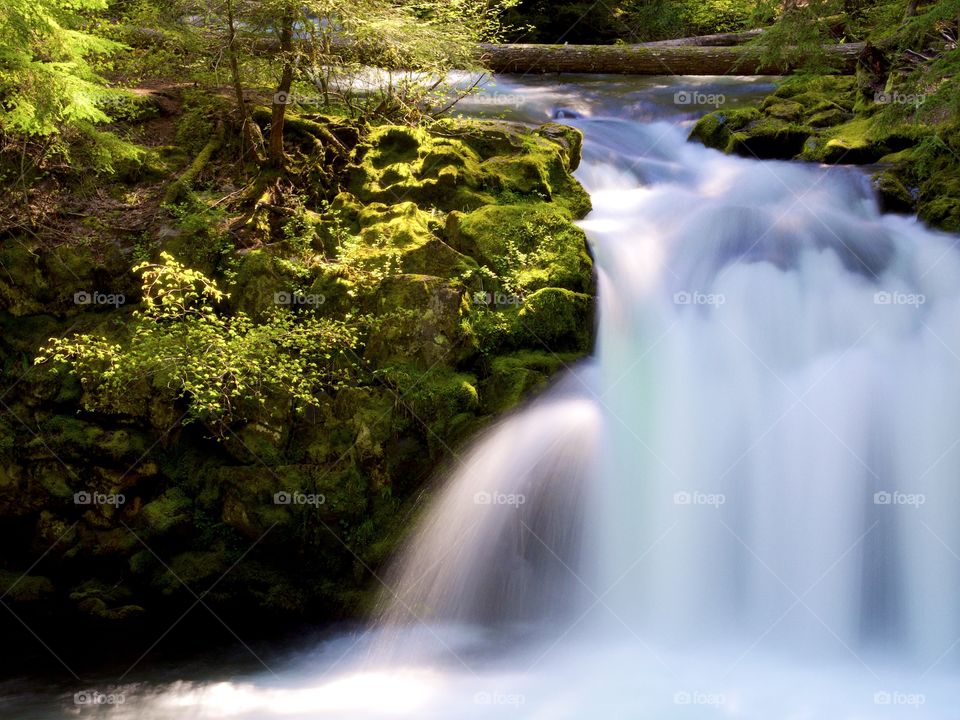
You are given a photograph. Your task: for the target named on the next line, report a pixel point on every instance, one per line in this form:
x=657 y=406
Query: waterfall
x=775 y=397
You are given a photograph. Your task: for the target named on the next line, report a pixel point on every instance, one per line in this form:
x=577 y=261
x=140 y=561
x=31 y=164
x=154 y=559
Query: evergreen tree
x=47 y=80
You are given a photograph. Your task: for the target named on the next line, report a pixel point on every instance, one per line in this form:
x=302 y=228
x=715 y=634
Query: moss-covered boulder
x=557 y=319
x=715 y=129
x=519 y=375
x=892 y=193
x=421 y=320
x=859 y=141
x=768 y=138
x=534 y=243
x=465 y=165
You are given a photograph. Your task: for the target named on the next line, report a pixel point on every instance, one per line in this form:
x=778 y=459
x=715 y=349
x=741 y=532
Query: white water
x=689 y=524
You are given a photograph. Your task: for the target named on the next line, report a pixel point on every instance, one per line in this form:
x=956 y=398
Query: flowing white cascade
x=778 y=401
x=744 y=505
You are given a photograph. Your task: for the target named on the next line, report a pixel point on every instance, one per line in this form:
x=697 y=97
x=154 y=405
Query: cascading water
x=744 y=506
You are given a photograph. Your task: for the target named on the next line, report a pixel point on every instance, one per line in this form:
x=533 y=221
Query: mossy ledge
x=455 y=242
x=908 y=139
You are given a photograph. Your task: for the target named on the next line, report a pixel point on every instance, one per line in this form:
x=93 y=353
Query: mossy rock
x=782 y=109
x=520 y=375
x=261 y=277
x=401 y=164
x=36 y=279
x=264 y=439
x=557 y=319
x=768 y=138
x=424 y=385
x=21 y=589
x=816 y=93
x=105 y=602
x=197 y=569
x=173 y=510
x=419 y=321
x=892 y=194
x=569 y=138
x=445 y=400
x=715 y=129
x=939 y=201
x=535 y=243
x=459 y=165
x=827 y=118
x=398 y=225
x=405 y=237
x=863 y=140
x=73 y=438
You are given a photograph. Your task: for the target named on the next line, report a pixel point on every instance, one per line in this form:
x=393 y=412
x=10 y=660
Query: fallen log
x=717 y=40
x=684 y=56
x=645 y=60
x=179 y=188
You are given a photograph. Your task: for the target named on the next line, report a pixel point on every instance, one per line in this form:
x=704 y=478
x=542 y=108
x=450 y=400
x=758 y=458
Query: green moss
x=569 y=138
x=105 y=602
x=418 y=321
x=24 y=589
x=809 y=89
x=557 y=319
x=72 y=437
x=445 y=400
x=715 y=129
x=35 y=279
x=519 y=375
x=461 y=165
x=171 y=510
x=939 y=202
x=768 y=137
x=196 y=569
x=827 y=118
x=863 y=140
x=533 y=245
x=782 y=109
x=892 y=193
x=430 y=218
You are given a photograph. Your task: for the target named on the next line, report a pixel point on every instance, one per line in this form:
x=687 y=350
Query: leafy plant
x=226 y=368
